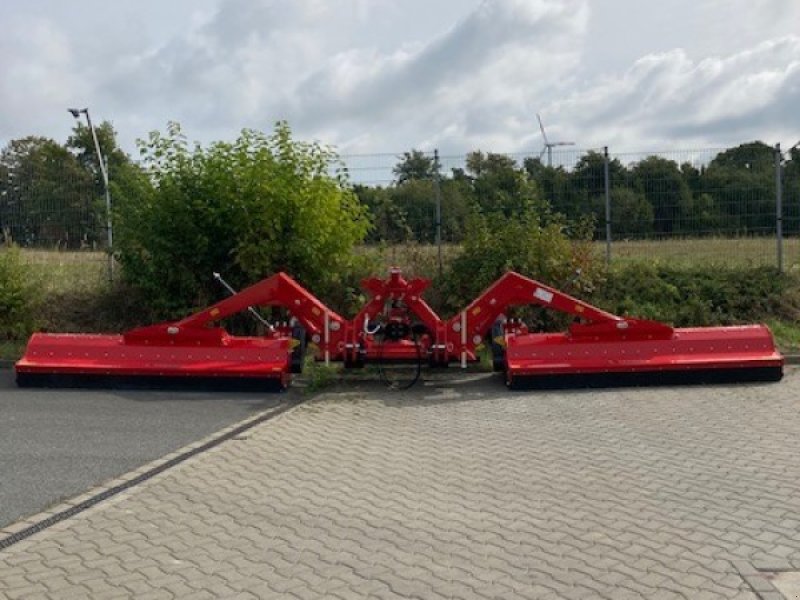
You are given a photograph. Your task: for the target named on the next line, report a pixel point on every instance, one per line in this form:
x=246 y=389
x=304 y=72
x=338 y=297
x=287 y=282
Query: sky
x=384 y=76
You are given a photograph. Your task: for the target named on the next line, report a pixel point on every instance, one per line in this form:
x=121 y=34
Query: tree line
x=734 y=194
x=50 y=193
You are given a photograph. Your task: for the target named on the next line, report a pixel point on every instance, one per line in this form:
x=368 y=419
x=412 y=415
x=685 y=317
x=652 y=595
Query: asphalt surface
x=55 y=444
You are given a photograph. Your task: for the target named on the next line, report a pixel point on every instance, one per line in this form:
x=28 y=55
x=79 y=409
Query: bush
x=700 y=295
x=246 y=209
x=101 y=309
x=534 y=243
x=17 y=297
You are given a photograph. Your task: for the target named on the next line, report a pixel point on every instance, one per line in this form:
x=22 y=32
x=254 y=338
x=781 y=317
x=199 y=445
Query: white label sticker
x=543 y=295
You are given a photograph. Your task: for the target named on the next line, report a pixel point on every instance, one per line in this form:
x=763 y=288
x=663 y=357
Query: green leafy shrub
x=534 y=243
x=246 y=209
x=17 y=297
x=318 y=375
x=102 y=309
x=700 y=295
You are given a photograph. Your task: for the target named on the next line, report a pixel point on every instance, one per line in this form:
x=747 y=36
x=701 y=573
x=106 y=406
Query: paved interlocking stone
x=455 y=491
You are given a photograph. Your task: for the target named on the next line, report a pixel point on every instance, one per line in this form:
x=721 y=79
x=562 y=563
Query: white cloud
x=383 y=76
x=37 y=70
x=670 y=99
x=484 y=70
x=254 y=63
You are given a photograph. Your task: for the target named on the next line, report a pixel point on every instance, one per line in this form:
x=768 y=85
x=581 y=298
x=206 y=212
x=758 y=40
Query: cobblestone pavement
x=458 y=490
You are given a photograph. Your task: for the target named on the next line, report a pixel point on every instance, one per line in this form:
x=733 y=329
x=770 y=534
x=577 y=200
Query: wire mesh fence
x=736 y=206
x=55 y=213
x=48 y=206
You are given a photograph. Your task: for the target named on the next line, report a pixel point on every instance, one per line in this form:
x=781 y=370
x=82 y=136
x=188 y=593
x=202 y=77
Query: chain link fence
x=736 y=206
x=50 y=207
x=55 y=214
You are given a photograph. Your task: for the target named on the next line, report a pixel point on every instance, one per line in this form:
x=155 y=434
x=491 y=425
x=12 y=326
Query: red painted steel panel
x=692 y=348
x=78 y=354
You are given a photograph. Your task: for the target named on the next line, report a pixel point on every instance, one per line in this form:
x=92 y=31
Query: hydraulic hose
x=418 y=370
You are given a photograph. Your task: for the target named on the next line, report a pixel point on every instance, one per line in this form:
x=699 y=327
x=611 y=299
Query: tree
x=499 y=185
x=589 y=173
x=414 y=165
x=753 y=156
x=416 y=201
x=706 y=216
x=742 y=182
x=389 y=222
x=530 y=244
x=247 y=208
x=81 y=143
x=557 y=188
x=128 y=182
x=456 y=209
x=692 y=175
x=631 y=213
x=46 y=197
x=791 y=192
x=664 y=187
x=583 y=190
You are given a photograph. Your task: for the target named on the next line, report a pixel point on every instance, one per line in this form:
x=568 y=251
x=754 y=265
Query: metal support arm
x=278 y=290
x=513 y=289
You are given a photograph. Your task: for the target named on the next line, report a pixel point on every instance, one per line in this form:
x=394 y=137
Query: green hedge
x=700 y=295
x=534 y=243
x=17 y=297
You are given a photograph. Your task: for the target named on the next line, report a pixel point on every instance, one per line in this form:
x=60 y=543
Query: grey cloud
x=669 y=98
x=255 y=62
x=477 y=83
x=453 y=76
x=38 y=73
x=485 y=35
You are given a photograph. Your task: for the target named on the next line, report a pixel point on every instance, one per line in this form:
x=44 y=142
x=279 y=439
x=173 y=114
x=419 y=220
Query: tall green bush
x=537 y=244
x=247 y=208
x=705 y=295
x=17 y=297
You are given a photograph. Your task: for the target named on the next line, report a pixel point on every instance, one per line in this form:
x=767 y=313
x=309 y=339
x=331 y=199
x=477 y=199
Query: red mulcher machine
x=397 y=325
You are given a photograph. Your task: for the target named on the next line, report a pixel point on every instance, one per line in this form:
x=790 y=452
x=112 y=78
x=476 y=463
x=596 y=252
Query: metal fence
x=738 y=206
x=728 y=206
x=50 y=207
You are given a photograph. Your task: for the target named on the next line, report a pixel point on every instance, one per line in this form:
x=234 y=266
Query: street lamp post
x=103 y=162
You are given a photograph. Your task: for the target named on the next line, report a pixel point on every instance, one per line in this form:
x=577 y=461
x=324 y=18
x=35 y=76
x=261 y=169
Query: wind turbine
x=548 y=145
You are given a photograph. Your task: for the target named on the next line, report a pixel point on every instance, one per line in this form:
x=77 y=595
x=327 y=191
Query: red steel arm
x=324 y=325
x=278 y=290
x=513 y=289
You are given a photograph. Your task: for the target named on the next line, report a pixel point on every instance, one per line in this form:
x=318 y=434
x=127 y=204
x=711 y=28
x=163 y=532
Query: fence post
x=779 y=204
x=607 y=178
x=438 y=192
x=109 y=226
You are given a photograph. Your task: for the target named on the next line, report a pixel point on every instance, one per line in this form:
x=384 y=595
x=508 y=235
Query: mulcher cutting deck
x=691 y=355
x=72 y=360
